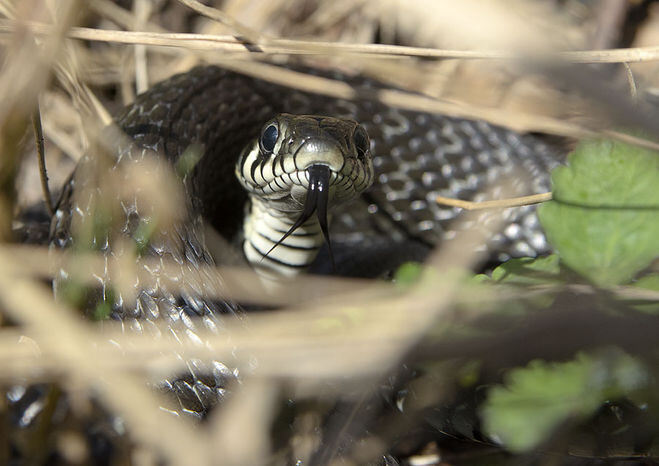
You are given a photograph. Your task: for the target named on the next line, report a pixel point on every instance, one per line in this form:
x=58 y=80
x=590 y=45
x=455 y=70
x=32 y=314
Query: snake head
x=275 y=166
x=301 y=165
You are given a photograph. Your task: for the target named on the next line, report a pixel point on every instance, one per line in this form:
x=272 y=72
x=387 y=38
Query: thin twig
x=41 y=157
x=496 y=204
x=141 y=12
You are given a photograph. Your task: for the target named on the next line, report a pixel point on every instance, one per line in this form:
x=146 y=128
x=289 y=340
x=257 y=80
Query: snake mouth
x=316 y=201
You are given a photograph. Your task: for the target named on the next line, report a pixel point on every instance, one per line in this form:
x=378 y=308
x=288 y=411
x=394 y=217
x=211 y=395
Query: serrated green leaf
x=604 y=221
x=536 y=400
x=542 y=396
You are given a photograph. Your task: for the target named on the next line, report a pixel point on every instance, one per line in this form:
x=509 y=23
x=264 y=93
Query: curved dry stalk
x=496 y=204
x=633 y=90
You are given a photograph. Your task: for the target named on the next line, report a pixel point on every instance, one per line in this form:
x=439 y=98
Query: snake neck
x=264 y=227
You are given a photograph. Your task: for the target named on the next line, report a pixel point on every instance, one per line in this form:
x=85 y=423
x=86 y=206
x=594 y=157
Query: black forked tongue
x=316 y=201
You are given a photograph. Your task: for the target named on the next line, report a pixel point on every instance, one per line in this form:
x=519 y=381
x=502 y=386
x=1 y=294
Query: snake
x=277 y=173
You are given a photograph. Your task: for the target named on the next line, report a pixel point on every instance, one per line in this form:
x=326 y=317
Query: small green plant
x=604 y=226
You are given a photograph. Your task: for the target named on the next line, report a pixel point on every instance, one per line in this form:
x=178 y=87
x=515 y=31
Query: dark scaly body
x=416 y=156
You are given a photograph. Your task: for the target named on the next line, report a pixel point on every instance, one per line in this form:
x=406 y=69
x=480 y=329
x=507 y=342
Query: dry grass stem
x=377 y=327
x=633 y=91
x=240 y=283
x=142 y=10
x=242 y=433
x=294 y=47
x=496 y=204
x=340 y=344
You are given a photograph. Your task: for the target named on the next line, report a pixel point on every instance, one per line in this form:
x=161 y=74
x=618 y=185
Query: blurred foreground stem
x=12 y=129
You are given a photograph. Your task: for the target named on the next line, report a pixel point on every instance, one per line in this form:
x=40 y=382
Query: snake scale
x=416 y=156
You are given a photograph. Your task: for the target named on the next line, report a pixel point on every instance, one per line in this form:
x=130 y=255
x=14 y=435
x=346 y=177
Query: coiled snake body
x=416 y=156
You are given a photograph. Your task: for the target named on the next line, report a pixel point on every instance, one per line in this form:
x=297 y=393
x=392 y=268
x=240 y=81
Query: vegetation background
x=541 y=362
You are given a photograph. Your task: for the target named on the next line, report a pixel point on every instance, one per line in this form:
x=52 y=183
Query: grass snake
x=219 y=113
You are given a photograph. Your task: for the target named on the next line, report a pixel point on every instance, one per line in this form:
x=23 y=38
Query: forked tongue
x=316 y=201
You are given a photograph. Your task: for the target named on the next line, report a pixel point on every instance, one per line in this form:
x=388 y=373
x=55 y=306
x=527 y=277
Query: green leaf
x=541 y=397
x=649 y=282
x=604 y=220
x=529 y=271
x=537 y=399
x=408 y=273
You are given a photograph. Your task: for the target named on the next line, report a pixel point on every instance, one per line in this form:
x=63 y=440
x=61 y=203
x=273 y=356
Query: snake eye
x=269 y=138
x=362 y=144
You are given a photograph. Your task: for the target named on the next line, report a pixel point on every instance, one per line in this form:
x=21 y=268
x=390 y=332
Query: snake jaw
x=317 y=199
